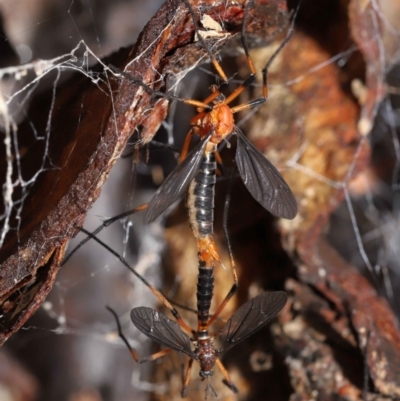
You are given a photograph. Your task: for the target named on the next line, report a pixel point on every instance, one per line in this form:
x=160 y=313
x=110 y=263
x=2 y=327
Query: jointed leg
x=106 y=223
x=157 y=293
x=235 y=286
x=187 y=379
x=216 y=65
x=215 y=92
x=185 y=147
x=230 y=294
x=227 y=381
x=251 y=77
x=153 y=92
x=135 y=356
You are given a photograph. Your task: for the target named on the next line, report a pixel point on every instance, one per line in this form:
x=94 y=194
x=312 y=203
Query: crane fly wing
x=176 y=183
x=263 y=180
x=161 y=329
x=250 y=317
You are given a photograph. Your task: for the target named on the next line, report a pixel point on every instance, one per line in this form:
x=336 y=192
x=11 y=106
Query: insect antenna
x=210 y=388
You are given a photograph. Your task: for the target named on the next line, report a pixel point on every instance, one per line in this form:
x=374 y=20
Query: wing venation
x=176 y=183
x=161 y=329
x=263 y=180
x=251 y=317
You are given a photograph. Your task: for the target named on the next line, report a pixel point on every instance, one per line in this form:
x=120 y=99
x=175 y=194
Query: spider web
x=72 y=331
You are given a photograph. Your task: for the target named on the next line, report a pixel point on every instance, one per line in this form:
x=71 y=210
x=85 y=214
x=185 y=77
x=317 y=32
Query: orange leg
x=227 y=379
x=218 y=158
x=215 y=93
x=187 y=379
x=230 y=294
x=235 y=286
x=130 y=77
x=214 y=61
x=156 y=355
x=251 y=77
x=249 y=105
x=157 y=293
x=186 y=145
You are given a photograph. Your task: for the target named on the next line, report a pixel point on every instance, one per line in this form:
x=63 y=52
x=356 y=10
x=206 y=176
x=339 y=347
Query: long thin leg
x=217 y=65
x=155 y=146
x=134 y=354
x=157 y=293
x=187 y=379
x=160 y=145
x=277 y=51
x=251 y=77
x=227 y=381
x=235 y=286
x=106 y=223
x=185 y=147
x=153 y=92
x=230 y=294
x=214 y=61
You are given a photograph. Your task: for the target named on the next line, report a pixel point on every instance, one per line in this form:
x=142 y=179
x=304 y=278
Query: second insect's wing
x=161 y=329
x=263 y=180
x=176 y=183
x=250 y=317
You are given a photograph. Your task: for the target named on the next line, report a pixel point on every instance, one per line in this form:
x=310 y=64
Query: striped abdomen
x=201 y=197
x=205 y=287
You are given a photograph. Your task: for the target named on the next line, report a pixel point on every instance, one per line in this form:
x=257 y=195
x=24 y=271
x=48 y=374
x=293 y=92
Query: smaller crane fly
x=200 y=347
x=249 y=318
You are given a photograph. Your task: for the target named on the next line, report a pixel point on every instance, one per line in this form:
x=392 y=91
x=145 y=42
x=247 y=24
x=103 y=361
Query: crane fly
x=249 y=318
x=199 y=345
x=214 y=123
x=261 y=178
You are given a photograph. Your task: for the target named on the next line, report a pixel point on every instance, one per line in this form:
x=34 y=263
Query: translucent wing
x=263 y=180
x=250 y=317
x=176 y=183
x=161 y=329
